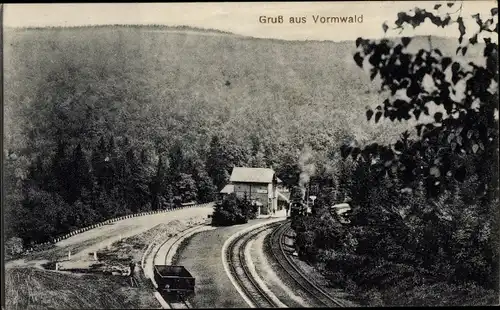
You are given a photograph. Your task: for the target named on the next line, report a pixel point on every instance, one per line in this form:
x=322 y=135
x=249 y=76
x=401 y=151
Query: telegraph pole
x=307 y=196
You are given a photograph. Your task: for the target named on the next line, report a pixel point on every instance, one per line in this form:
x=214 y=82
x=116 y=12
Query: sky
x=243 y=17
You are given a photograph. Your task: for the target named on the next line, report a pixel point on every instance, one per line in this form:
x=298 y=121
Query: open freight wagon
x=174 y=280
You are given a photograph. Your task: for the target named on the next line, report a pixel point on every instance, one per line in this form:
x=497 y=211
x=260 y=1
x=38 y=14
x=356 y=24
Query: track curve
x=238 y=267
x=163 y=259
x=317 y=294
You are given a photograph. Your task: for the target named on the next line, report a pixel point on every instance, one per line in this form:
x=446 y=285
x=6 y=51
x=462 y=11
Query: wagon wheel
x=181 y=296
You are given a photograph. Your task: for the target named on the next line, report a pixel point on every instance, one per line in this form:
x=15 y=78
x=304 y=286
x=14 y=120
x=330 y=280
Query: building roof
x=252 y=175
x=228 y=189
x=341 y=208
x=283 y=197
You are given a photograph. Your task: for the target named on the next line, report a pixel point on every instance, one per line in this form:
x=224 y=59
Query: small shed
x=341 y=211
x=228 y=189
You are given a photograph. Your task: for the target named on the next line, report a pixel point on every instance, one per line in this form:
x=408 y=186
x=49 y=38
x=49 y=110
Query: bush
x=231 y=211
x=372 y=298
x=14 y=246
x=440 y=294
x=253 y=211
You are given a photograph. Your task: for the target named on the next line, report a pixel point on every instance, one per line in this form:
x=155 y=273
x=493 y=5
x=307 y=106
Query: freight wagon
x=174 y=280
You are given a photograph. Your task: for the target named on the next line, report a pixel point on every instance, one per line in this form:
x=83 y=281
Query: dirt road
x=87 y=242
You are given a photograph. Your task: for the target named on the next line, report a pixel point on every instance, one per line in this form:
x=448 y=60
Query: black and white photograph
x=250 y=155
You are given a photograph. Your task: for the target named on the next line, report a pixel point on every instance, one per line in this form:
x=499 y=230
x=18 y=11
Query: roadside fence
x=49 y=244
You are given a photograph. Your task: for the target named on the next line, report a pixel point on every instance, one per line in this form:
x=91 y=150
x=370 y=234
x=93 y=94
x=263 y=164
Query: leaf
x=355 y=152
x=402 y=17
x=450 y=4
x=459 y=140
x=446 y=21
x=434 y=171
x=475 y=147
x=405 y=41
x=460 y=174
x=450 y=138
x=464 y=50
x=473 y=39
x=345 y=151
x=399 y=146
x=419 y=128
x=494 y=11
x=385 y=27
x=477 y=17
x=458 y=48
x=461 y=28
x=358 y=59
x=358 y=41
x=377 y=116
x=369 y=114
x=445 y=62
x=437 y=6
x=438 y=117
x=435 y=20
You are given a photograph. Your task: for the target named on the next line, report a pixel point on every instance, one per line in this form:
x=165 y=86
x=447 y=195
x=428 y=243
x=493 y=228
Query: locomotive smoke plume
x=307 y=168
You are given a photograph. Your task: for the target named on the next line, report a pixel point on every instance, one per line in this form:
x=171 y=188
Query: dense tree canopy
x=425 y=218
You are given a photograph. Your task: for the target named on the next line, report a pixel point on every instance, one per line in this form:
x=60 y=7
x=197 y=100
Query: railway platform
x=279 y=213
x=203 y=258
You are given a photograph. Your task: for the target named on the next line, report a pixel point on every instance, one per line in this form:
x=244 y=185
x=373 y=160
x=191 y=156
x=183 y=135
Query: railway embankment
x=299 y=276
x=27 y=283
x=271 y=274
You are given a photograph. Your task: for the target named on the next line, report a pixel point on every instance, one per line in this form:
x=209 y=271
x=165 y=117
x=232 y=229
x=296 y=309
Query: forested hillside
x=102 y=121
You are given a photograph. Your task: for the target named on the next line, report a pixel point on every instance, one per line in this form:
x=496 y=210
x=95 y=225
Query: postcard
x=250 y=155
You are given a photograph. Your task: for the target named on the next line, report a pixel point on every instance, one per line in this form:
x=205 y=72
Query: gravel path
x=202 y=257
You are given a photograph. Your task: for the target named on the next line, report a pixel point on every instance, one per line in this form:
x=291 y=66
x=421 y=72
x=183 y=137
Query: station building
x=260 y=185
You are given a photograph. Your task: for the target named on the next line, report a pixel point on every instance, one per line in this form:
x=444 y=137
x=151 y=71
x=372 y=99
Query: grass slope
x=31 y=288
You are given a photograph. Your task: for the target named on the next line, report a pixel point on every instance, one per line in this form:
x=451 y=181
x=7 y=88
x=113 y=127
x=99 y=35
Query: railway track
x=235 y=255
x=181 y=304
x=184 y=304
x=277 y=245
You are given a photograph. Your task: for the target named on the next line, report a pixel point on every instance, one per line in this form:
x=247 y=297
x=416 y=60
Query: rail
x=183 y=304
x=277 y=240
x=236 y=260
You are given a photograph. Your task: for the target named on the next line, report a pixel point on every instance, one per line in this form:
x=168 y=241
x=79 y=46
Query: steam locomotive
x=298 y=205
